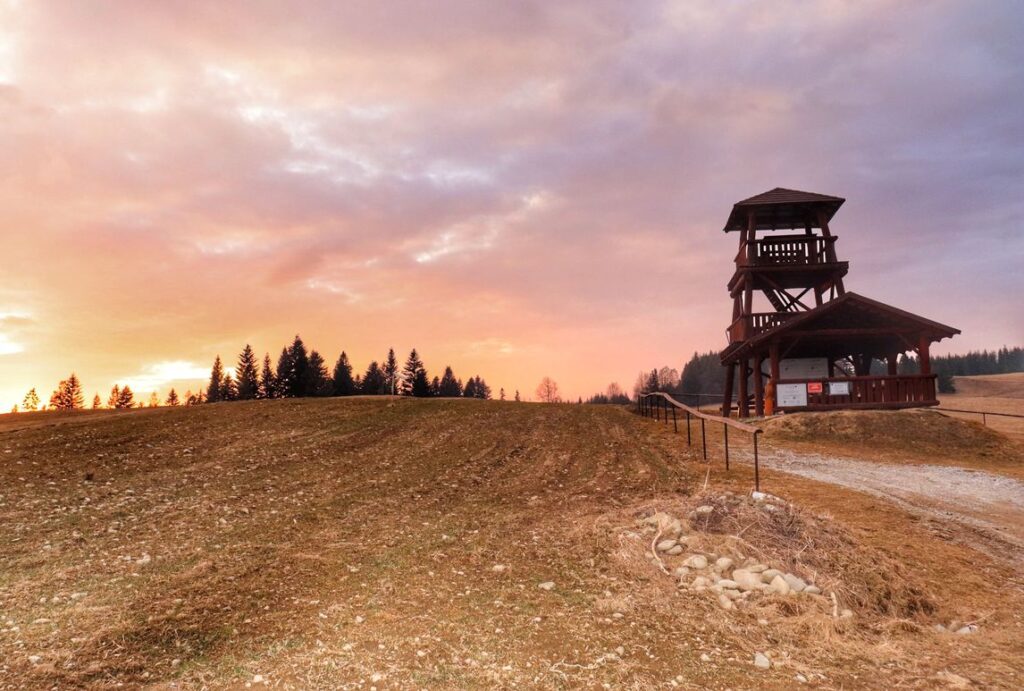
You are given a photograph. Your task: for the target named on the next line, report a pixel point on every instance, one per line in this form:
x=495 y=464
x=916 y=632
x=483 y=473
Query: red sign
x=814 y=387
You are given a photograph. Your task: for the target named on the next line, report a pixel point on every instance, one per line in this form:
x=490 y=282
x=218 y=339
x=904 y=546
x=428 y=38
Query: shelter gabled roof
x=845 y=318
x=782 y=208
x=850 y=310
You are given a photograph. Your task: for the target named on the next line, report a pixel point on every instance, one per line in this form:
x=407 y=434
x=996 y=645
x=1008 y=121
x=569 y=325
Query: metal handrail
x=651 y=404
x=982 y=413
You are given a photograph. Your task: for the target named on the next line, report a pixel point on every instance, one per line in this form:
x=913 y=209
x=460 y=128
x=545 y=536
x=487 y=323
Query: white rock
x=761 y=661
x=620 y=651
x=359 y=619
x=35 y=659
x=846 y=614
x=725 y=602
x=723 y=564
x=704 y=657
x=376 y=677
x=796 y=584
x=498 y=568
x=801 y=678
x=758 y=496
x=682 y=571
x=700 y=582
x=675 y=551
x=779 y=585
x=704 y=510
x=728 y=583
x=747 y=580
x=546 y=585
x=257 y=679
x=812 y=590
x=665 y=545
x=696 y=561
x=757 y=568
x=969 y=628
x=769 y=574
x=732 y=593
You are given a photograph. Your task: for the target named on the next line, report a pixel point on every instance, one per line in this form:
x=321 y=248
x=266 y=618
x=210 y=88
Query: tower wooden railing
x=788 y=250
x=657 y=404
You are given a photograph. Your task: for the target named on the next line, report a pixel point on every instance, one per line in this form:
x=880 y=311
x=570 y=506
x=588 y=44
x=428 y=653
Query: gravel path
x=990 y=507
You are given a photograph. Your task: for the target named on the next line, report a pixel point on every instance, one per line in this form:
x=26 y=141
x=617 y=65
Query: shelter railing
x=750 y=325
x=868 y=391
x=788 y=250
x=657 y=404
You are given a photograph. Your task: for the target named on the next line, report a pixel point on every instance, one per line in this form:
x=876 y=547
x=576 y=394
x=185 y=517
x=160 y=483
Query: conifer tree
x=410 y=373
x=97 y=402
x=267 y=384
x=68 y=395
x=154 y=401
x=284 y=368
x=373 y=381
x=449 y=387
x=296 y=379
x=31 y=400
x=517 y=396
x=501 y=394
x=469 y=390
x=247 y=375
x=420 y=384
x=216 y=385
x=317 y=380
x=435 y=386
x=341 y=380
x=125 y=398
x=228 y=388
x=481 y=390
x=115 y=396
x=391 y=373
x=172 y=398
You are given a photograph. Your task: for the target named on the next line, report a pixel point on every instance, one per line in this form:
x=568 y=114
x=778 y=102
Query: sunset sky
x=518 y=189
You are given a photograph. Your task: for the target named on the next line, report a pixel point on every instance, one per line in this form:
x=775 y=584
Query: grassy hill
x=1001 y=393
x=397 y=543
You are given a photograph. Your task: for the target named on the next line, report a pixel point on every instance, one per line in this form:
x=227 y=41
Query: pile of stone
x=732 y=583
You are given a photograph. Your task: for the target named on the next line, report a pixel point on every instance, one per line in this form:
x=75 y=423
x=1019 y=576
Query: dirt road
x=990 y=507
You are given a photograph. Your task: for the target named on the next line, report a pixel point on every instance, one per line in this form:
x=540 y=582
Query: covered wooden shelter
x=812 y=348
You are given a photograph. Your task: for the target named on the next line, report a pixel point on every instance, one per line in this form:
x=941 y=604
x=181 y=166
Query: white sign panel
x=839 y=388
x=800 y=368
x=792 y=395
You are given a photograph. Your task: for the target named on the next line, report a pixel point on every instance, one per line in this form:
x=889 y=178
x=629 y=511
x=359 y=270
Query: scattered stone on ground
x=546 y=585
x=761 y=661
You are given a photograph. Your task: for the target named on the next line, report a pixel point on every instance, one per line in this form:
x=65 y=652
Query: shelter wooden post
x=923 y=355
x=758 y=386
x=730 y=373
x=773 y=356
x=892 y=360
x=744 y=401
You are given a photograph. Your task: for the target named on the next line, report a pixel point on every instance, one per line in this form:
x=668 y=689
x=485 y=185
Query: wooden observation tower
x=797 y=338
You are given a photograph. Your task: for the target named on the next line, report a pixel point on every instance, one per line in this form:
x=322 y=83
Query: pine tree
x=317 y=381
x=296 y=377
x=420 y=384
x=31 y=400
x=216 y=385
x=267 y=382
x=411 y=372
x=284 y=368
x=172 y=398
x=373 y=383
x=435 y=386
x=228 y=389
x=68 y=395
x=469 y=390
x=154 y=401
x=125 y=398
x=247 y=375
x=391 y=372
x=97 y=402
x=481 y=390
x=449 y=387
x=501 y=394
x=517 y=396
x=341 y=379
x=115 y=396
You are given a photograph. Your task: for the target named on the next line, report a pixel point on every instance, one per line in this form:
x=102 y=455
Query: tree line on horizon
x=301 y=373
x=298 y=373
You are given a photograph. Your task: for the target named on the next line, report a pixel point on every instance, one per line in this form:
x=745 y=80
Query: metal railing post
x=689 y=440
x=703 y=439
x=675 y=425
x=725 y=430
x=757 y=467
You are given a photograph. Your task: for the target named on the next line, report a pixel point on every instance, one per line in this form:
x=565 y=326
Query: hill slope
x=349 y=543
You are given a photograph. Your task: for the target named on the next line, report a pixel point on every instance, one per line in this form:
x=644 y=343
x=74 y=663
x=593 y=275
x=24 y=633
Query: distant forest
x=703 y=378
x=298 y=373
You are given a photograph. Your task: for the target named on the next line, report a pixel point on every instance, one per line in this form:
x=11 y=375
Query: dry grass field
x=1001 y=393
x=375 y=543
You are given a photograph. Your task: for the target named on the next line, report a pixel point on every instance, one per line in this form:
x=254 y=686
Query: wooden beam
x=730 y=372
x=744 y=402
x=924 y=357
x=758 y=386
